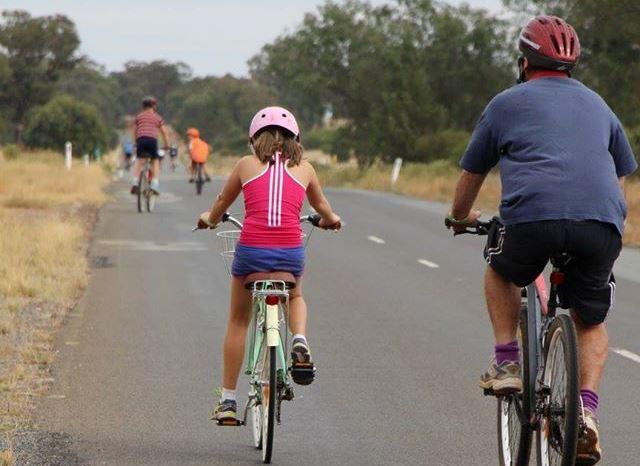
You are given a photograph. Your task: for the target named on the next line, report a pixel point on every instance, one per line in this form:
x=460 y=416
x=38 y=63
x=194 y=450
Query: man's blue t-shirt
x=561 y=150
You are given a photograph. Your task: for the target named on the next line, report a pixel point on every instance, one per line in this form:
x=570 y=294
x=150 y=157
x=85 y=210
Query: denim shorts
x=248 y=259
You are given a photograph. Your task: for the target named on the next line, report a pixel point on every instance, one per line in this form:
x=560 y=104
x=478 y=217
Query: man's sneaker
x=302 y=368
x=589 y=451
x=207 y=179
x=192 y=180
x=225 y=410
x=155 y=186
x=134 y=189
x=502 y=379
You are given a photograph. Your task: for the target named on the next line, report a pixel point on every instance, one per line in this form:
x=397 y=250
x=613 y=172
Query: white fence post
x=395 y=172
x=67 y=154
x=85 y=157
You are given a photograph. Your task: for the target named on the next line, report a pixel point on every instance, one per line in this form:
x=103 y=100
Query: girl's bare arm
x=229 y=193
x=318 y=201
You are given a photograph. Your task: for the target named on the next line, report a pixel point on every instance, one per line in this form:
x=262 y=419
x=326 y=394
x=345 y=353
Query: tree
x=157 y=78
x=393 y=73
x=65 y=118
x=35 y=50
x=221 y=108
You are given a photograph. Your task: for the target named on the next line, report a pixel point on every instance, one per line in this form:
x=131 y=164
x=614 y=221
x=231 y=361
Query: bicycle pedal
x=303 y=373
x=230 y=422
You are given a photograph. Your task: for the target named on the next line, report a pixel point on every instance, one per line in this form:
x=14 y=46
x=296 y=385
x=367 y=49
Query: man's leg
x=593 y=349
x=503 y=302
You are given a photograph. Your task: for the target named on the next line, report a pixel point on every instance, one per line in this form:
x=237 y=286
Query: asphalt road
x=397 y=326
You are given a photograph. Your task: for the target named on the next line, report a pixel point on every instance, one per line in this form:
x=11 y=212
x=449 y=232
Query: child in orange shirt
x=199 y=152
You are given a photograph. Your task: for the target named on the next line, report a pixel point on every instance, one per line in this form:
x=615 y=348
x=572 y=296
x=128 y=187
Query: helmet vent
x=542 y=20
x=564 y=42
x=284 y=115
x=572 y=45
x=264 y=115
x=556 y=46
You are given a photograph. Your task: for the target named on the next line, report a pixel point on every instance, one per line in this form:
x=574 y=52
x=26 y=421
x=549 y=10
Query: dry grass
x=42 y=255
x=7 y=457
x=45 y=212
x=40 y=181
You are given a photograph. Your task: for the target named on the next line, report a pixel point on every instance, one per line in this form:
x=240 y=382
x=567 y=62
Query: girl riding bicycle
x=274 y=181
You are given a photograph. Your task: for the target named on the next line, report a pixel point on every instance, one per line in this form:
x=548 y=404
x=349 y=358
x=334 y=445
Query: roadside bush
x=334 y=141
x=634 y=138
x=65 y=118
x=10 y=151
x=448 y=144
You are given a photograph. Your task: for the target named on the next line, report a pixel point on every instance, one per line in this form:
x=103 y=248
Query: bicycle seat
x=560 y=259
x=286 y=277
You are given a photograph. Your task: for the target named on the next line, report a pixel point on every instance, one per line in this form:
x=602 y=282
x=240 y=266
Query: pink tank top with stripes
x=273 y=201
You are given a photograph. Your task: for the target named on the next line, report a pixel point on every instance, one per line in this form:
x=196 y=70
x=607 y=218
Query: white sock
x=228 y=395
x=301 y=336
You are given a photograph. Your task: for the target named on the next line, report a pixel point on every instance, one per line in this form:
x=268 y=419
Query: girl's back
x=274 y=194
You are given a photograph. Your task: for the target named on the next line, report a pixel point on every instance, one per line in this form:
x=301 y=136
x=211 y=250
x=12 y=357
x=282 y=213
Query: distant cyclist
x=127 y=151
x=271 y=238
x=148 y=124
x=563 y=157
x=199 y=152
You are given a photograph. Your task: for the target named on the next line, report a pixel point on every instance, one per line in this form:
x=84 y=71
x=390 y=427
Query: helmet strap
x=522 y=77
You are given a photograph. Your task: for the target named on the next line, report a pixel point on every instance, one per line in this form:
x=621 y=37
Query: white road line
x=627 y=354
x=375 y=239
x=431 y=265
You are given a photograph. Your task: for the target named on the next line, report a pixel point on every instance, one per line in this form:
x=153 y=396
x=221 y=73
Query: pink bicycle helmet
x=274 y=116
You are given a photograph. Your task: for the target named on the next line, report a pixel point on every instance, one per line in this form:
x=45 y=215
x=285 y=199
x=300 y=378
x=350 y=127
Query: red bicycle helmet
x=550 y=42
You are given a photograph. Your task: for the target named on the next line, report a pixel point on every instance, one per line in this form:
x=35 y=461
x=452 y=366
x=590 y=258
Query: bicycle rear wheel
x=150 y=195
x=514 y=438
x=199 y=179
x=269 y=403
x=557 y=436
x=142 y=188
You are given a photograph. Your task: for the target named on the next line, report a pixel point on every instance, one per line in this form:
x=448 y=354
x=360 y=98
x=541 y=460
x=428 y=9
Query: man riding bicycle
x=563 y=156
x=145 y=132
x=199 y=152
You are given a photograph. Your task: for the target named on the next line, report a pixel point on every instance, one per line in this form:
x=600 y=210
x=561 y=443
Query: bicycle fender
x=272 y=325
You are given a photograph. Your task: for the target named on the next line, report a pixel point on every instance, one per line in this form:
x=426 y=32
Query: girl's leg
x=234 y=340
x=297 y=310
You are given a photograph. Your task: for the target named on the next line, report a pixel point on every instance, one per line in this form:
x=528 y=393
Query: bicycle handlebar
x=480 y=228
x=313 y=219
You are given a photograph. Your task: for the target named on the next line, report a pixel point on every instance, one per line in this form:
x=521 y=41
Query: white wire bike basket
x=227 y=241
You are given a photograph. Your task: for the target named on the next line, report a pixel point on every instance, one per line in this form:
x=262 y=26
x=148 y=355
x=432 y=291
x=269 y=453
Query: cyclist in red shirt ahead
x=563 y=156
x=145 y=132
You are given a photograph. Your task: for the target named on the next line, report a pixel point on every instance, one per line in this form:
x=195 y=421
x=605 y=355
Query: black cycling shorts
x=520 y=253
x=147 y=148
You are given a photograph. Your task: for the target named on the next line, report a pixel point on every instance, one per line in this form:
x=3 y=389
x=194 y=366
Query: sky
x=213 y=37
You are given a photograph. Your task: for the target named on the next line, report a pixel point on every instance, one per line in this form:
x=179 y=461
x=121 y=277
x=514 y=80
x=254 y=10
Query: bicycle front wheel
x=269 y=392
x=557 y=436
x=514 y=431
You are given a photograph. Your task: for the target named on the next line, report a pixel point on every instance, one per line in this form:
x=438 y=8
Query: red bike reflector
x=557 y=278
x=272 y=300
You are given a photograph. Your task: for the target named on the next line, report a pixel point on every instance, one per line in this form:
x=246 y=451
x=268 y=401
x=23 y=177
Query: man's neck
x=537 y=74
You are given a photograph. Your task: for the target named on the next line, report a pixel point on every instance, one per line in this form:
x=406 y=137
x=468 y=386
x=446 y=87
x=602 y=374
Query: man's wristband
x=453 y=221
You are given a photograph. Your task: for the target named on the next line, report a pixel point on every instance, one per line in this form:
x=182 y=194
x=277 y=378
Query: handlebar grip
x=315 y=220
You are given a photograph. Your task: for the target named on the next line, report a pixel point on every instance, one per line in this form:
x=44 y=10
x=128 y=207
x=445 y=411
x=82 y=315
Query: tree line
x=407 y=79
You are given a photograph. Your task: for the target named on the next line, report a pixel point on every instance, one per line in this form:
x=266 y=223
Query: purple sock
x=509 y=352
x=589 y=400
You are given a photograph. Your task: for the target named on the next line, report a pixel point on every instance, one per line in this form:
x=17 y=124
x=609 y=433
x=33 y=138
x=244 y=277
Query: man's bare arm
x=467 y=191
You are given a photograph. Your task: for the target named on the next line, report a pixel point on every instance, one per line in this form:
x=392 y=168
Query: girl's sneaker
x=225 y=410
x=302 y=368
